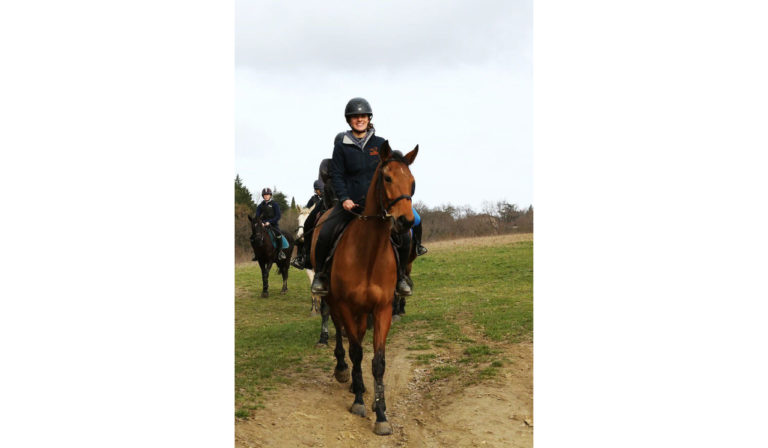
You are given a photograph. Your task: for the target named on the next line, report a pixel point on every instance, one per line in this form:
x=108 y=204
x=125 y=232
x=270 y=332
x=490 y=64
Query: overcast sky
x=454 y=77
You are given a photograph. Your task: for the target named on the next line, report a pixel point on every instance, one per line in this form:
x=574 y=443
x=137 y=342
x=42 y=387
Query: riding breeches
x=338 y=219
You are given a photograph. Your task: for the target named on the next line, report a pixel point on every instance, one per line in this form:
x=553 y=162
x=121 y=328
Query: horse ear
x=385 y=151
x=411 y=156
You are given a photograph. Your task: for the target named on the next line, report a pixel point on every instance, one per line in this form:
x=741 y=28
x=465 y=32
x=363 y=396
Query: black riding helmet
x=318 y=185
x=266 y=191
x=357 y=106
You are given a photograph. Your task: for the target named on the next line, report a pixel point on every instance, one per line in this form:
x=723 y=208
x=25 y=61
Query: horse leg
x=284 y=271
x=316 y=306
x=323 y=341
x=341 y=372
x=264 y=279
x=382 y=322
x=354 y=331
x=396 y=307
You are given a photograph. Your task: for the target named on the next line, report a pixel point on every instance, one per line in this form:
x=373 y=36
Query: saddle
x=395 y=238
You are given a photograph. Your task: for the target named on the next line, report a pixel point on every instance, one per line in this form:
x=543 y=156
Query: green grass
x=418 y=347
x=443 y=371
x=425 y=358
x=486 y=289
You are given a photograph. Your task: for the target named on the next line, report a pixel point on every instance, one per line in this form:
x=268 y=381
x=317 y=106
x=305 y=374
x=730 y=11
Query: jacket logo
x=374 y=151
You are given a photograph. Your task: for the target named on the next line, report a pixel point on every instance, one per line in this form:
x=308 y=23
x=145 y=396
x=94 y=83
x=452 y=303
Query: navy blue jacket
x=269 y=212
x=314 y=200
x=352 y=168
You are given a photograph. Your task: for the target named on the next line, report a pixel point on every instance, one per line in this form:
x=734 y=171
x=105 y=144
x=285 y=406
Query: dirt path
x=496 y=412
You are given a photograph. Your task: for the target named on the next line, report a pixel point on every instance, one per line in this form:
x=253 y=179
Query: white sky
x=454 y=77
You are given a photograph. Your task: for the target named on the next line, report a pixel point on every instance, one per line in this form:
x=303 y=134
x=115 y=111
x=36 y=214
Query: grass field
x=472 y=297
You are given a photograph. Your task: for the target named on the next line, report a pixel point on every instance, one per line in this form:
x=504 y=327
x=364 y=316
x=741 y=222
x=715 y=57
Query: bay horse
x=364 y=272
x=266 y=254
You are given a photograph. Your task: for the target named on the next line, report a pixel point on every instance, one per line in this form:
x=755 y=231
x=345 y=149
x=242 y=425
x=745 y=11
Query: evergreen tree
x=279 y=197
x=242 y=195
x=293 y=202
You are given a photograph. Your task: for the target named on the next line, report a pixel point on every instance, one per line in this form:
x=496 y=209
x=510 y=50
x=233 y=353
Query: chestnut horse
x=266 y=254
x=364 y=272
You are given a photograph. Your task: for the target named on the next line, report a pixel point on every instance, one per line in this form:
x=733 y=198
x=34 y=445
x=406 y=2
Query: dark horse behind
x=266 y=254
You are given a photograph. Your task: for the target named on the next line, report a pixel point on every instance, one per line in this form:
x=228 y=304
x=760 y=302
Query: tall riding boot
x=320 y=281
x=420 y=250
x=306 y=252
x=279 y=242
x=299 y=262
x=403 y=246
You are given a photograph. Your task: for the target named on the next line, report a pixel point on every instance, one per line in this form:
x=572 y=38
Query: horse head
x=258 y=233
x=397 y=186
x=303 y=214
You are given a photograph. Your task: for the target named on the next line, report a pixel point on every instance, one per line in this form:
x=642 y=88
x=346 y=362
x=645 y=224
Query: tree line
x=439 y=223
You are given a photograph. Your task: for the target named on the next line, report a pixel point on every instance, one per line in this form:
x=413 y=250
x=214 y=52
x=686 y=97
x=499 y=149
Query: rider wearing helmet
x=318 y=196
x=269 y=212
x=355 y=158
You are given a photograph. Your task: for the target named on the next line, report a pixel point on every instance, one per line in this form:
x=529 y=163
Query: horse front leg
x=316 y=306
x=265 y=279
x=325 y=312
x=355 y=334
x=358 y=388
x=382 y=322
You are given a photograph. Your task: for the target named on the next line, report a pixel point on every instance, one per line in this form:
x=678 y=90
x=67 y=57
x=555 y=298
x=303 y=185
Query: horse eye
x=387 y=178
x=413 y=188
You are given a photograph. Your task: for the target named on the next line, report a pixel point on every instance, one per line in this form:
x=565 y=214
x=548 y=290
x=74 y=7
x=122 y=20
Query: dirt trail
x=313 y=412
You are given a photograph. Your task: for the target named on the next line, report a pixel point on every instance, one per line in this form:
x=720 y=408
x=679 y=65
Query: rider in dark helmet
x=355 y=158
x=269 y=212
x=318 y=196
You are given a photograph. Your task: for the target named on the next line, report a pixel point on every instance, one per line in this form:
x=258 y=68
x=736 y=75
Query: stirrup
x=281 y=255
x=298 y=262
x=421 y=250
x=318 y=286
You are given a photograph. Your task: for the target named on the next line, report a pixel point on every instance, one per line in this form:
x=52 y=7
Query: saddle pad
x=274 y=241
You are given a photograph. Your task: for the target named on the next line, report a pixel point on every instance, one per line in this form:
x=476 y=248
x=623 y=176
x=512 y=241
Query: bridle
x=385 y=215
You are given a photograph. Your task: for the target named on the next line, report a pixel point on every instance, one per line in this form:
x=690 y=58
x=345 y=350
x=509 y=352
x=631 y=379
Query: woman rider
x=354 y=161
x=269 y=212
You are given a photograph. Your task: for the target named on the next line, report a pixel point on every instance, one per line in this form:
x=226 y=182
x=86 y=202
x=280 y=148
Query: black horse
x=266 y=254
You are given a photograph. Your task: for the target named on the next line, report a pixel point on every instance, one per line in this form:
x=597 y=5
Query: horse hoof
x=264 y=295
x=395 y=318
x=322 y=345
x=283 y=291
x=359 y=409
x=342 y=376
x=382 y=428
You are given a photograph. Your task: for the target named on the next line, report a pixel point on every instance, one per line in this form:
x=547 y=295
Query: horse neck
x=373 y=197
x=374 y=230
